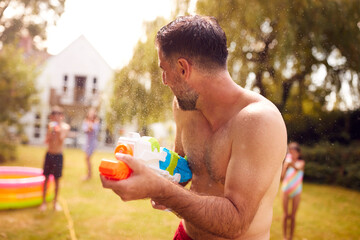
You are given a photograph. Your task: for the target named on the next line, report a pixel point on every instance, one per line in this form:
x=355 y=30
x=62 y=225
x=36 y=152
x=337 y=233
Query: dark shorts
x=53 y=165
x=180 y=233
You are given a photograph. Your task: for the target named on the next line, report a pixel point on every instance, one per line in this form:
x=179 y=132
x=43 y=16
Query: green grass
x=325 y=212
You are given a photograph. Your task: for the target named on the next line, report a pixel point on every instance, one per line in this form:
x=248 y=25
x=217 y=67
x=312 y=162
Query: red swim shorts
x=180 y=233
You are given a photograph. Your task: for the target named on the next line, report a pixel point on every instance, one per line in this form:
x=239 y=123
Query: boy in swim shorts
x=53 y=164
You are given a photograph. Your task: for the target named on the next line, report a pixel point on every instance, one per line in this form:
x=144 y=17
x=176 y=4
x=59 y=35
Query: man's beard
x=188 y=103
x=186 y=97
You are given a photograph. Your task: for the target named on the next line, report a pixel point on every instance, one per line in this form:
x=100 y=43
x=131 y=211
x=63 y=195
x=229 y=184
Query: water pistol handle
x=117 y=170
x=114 y=169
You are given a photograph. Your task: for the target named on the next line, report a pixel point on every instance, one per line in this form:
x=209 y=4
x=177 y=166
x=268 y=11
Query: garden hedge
x=333 y=164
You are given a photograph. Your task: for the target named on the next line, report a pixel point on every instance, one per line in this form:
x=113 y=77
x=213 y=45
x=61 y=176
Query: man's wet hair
x=196 y=38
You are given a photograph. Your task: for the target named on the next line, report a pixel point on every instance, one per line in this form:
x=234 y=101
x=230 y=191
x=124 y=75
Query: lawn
x=91 y=212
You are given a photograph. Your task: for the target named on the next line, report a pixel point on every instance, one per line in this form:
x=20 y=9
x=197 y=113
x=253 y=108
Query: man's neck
x=218 y=100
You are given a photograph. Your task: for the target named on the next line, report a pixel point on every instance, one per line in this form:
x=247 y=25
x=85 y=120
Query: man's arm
x=257 y=153
x=283 y=171
x=178 y=148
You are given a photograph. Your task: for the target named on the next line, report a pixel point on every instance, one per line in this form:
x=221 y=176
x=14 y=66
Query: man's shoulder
x=260 y=124
x=257 y=116
x=260 y=109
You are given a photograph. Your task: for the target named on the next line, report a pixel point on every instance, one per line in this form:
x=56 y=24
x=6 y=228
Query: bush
x=7 y=151
x=335 y=127
x=333 y=164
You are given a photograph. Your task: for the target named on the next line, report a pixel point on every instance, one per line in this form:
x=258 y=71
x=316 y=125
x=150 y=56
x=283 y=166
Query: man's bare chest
x=208 y=152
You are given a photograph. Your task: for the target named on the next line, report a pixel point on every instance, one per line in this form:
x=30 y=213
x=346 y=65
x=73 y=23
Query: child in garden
x=293 y=172
x=91 y=127
x=53 y=164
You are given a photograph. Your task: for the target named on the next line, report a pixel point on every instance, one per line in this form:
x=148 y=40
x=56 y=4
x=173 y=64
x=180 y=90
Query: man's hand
x=142 y=183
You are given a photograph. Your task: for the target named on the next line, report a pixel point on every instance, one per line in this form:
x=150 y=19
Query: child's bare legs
x=296 y=201
x=43 y=204
x=88 y=164
x=285 y=215
x=57 y=206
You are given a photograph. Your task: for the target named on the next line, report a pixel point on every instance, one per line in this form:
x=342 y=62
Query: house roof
x=82 y=42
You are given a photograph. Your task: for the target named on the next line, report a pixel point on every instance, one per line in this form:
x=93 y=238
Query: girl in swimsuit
x=91 y=127
x=292 y=178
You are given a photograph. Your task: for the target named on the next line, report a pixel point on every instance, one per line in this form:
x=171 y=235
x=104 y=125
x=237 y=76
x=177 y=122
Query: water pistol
x=53 y=126
x=162 y=160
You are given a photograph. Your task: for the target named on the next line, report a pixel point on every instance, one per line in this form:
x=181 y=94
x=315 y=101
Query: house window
x=65 y=83
x=94 y=89
x=37 y=125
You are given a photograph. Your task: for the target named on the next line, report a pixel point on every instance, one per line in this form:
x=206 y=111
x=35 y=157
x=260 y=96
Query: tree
x=138 y=90
x=17 y=92
x=276 y=46
x=30 y=15
x=139 y=94
x=17 y=69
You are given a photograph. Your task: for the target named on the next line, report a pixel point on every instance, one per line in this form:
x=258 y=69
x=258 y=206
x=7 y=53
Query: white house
x=76 y=79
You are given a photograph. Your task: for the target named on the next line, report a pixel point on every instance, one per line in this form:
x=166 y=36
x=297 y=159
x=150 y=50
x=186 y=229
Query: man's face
x=185 y=95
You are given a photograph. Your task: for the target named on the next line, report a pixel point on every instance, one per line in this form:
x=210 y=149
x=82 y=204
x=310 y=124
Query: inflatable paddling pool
x=22 y=187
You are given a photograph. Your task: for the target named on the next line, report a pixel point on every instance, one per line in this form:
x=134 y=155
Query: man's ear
x=184 y=68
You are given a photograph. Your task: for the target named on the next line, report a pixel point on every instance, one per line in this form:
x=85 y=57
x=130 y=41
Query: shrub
x=333 y=164
x=7 y=151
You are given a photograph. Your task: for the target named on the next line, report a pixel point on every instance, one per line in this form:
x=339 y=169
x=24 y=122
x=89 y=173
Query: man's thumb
x=127 y=159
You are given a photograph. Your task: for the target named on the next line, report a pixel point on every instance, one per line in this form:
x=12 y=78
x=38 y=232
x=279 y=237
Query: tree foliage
x=17 y=91
x=138 y=90
x=302 y=55
x=31 y=15
x=17 y=69
x=16 y=84
x=139 y=95
x=277 y=46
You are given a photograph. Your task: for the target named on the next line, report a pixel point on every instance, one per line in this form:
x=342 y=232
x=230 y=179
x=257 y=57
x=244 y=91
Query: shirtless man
x=235 y=141
x=53 y=164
